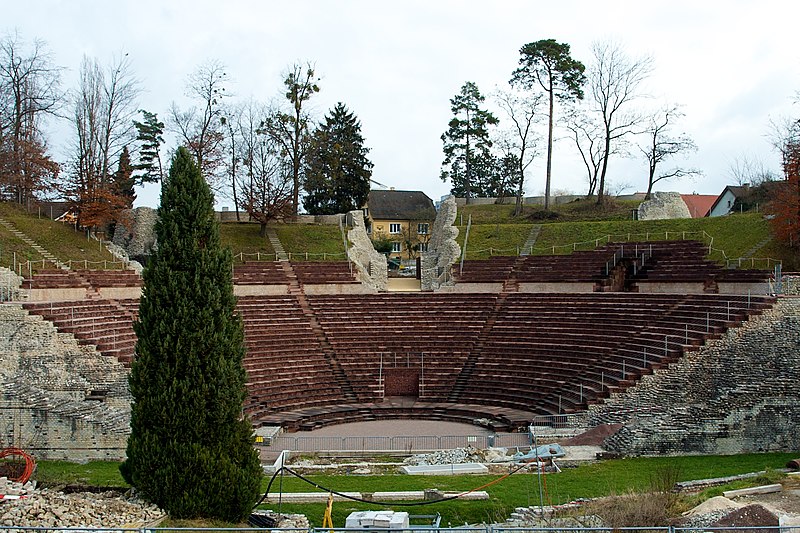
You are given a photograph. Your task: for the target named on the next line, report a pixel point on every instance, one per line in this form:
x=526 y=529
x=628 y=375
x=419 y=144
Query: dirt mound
x=593 y=437
x=750 y=515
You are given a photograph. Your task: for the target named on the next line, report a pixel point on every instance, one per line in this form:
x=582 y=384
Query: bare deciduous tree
x=103 y=109
x=614 y=82
x=523 y=113
x=30 y=91
x=661 y=146
x=266 y=184
x=201 y=127
x=290 y=128
x=587 y=135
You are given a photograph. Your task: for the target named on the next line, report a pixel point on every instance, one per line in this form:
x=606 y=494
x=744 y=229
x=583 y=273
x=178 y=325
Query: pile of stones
x=447 y=457
x=49 y=508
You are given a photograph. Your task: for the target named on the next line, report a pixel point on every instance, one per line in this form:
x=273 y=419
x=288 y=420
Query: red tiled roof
x=699 y=204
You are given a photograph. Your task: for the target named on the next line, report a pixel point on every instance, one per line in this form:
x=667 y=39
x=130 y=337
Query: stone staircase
x=33 y=244
x=296 y=290
x=531 y=241
x=280 y=253
x=463 y=379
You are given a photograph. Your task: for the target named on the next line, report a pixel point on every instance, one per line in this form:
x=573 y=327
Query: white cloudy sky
x=732 y=65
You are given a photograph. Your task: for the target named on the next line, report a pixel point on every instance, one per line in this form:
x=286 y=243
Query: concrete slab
x=445 y=470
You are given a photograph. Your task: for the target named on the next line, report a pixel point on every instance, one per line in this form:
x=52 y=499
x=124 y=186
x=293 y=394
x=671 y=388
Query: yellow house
x=405 y=218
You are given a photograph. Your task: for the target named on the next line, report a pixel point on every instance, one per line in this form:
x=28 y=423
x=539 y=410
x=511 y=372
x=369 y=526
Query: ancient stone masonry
x=370 y=264
x=59 y=400
x=10 y=285
x=737 y=394
x=443 y=250
x=664 y=205
x=138 y=240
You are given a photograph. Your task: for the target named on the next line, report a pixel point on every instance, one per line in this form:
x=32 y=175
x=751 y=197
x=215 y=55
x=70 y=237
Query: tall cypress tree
x=190 y=451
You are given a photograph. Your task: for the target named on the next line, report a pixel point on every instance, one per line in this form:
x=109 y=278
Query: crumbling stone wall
x=664 y=205
x=138 y=240
x=371 y=266
x=443 y=250
x=45 y=379
x=737 y=394
x=10 y=285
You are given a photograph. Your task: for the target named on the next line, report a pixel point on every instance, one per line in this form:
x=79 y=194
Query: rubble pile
x=47 y=508
x=447 y=457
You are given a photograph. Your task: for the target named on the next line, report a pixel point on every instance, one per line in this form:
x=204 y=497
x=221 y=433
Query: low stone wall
x=260 y=290
x=337 y=288
x=557 y=287
x=657 y=287
x=57 y=295
x=45 y=379
x=473 y=287
x=744 y=288
x=737 y=394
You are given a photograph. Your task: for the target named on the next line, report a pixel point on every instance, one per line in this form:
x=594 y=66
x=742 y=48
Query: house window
x=397 y=246
x=423 y=247
x=394 y=228
x=422 y=228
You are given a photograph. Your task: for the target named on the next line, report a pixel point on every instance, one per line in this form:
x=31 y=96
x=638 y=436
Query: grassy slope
x=494 y=239
x=585 y=481
x=572 y=211
x=735 y=235
x=59 y=239
x=321 y=242
x=244 y=239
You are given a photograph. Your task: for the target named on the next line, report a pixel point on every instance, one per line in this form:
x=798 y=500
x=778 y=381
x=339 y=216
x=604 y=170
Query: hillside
x=494 y=231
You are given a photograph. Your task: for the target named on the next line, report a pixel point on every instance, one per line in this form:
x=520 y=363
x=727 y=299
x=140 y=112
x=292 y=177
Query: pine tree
x=337 y=172
x=466 y=143
x=150 y=135
x=190 y=451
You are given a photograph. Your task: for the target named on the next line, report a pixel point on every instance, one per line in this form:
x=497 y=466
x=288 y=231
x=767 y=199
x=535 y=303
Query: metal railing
x=398 y=443
x=413 y=528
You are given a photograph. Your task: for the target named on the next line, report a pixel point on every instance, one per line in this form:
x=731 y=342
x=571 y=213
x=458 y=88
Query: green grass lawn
x=521 y=489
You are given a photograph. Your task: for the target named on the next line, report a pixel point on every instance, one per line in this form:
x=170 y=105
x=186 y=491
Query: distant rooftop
x=400 y=205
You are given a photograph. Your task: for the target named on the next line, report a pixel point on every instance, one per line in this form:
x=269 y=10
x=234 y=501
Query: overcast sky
x=732 y=65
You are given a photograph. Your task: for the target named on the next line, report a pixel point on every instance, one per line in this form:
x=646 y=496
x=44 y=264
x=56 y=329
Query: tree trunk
x=549 y=153
x=601 y=192
x=262 y=232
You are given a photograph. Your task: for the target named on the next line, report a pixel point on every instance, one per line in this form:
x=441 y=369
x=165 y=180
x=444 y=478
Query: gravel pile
x=49 y=508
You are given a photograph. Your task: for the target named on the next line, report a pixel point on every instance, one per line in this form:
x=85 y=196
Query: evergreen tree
x=190 y=451
x=150 y=135
x=547 y=64
x=467 y=143
x=337 y=172
x=123 y=179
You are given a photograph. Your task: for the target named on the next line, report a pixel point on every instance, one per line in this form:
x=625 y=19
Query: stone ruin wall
x=737 y=394
x=371 y=267
x=443 y=250
x=45 y=378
